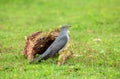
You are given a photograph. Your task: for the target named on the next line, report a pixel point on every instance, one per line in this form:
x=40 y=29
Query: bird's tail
x=45 y=56
x=36 y=59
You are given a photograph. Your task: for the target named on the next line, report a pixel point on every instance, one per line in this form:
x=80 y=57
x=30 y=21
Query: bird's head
x=65 y=27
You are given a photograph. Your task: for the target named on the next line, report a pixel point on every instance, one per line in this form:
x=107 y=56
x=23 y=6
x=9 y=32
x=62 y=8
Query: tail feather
x=36 y=59
x=47 y=54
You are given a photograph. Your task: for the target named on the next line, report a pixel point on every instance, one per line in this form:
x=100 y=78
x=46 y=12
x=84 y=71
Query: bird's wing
x=59 y=43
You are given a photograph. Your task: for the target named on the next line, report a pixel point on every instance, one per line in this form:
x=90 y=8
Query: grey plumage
x=58 y=45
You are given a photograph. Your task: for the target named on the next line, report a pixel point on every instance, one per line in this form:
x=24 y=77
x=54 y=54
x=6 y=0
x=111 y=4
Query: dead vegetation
x=38 y=42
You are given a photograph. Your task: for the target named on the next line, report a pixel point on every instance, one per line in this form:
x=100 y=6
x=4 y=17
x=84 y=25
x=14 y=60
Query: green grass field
x=90 y=19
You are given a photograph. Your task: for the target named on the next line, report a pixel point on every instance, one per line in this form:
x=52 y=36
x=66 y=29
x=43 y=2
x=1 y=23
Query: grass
x=90 y=19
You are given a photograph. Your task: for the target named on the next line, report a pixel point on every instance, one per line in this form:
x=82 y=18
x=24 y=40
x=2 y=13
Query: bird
x=57 y=46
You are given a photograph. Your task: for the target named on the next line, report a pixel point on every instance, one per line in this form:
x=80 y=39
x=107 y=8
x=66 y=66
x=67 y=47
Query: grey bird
x=58 y=45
